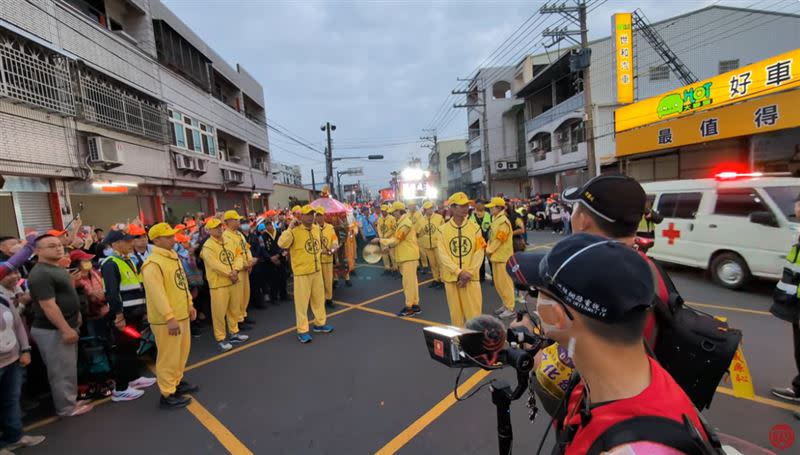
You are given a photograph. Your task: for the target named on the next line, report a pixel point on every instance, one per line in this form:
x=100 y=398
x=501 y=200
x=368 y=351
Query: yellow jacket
x=241 y=250
x=329 y=241
x=428 y=230
x=304 y=248
x=166 y=287
x=460 y=248
x=501 y=242
x=405 y=239
x=218 y=258
x=386 y=226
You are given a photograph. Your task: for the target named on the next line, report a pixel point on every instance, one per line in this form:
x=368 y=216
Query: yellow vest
x=218 y=258
x=501 y=241
x=428 y=230
x=241 y=249
x=166 y=286
x=389 y=226
x=407 y=248
x=460 y=244
x=328 y=239
x=304 y=248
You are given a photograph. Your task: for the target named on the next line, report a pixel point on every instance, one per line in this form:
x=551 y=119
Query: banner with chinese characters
x=774 y=74
x=760 y=115
x=623 y=56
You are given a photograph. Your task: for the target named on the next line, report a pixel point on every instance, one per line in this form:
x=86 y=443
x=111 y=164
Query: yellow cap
x=320 y=210
x=427 y=205
x=162 y=230
x=496 y=202
x=384 y=207
x=231 y=215
x=306 y=209
x=459 y=199
x=213 y=223
x=296 y=208
x=397 y=205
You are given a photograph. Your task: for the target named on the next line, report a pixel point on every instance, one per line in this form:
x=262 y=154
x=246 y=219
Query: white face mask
x=550 y=328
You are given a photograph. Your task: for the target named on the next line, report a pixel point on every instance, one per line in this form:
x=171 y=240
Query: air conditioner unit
x=513 y=165
x=201 y=165
x=104 y=151
x=232 y=177
x=183 y=162
x=500 y=165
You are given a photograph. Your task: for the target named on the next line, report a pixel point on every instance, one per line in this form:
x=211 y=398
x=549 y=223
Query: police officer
x=501 y=248
x=428 y=237
x=329 y=243
x=404 y=240
x=169 y=311
x=461 y=252
x=219 y=259
x=786 y=306
x=126 y=303
x=600 y=317
x=302 y=239
x=483 y=219
x=243 y=263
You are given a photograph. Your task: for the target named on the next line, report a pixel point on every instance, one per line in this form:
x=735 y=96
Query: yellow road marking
x=727 y=308
x=761 y=400
x=391 y=315
x=220 y=431
x=434 y=413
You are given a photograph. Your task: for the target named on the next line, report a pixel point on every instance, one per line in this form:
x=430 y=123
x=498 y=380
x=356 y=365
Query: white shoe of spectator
x=142 y=383
x=507 y=314
x=126 y=395
x=25 y=441
x=80 y=409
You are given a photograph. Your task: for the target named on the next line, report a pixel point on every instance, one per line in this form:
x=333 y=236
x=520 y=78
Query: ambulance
x=735 y=225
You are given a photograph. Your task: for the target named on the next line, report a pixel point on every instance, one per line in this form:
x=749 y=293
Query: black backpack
x=679 y=436
x=694 y=347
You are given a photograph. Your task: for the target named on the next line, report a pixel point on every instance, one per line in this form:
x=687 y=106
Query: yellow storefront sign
x=623 y=55
x=760 y=115
x=774 y=74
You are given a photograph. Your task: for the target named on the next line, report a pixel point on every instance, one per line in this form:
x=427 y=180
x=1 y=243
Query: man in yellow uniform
x=383 y=233
x=329 y=243
x=218 y=257
x=302 y=239
x=404 y=241
x=501 y=248
x=428 y=236
x=461 y=253
x=416 y=220
x=169 y=311
x=391 y=226
x=243 y=263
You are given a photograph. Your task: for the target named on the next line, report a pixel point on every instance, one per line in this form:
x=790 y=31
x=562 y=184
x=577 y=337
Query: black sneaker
x=416 y=309
x=786 y=393
x=184 y=388
x=329 y=304
x=405 y=312
x=174 y=401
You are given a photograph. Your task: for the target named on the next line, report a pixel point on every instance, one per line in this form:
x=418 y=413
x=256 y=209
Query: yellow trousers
x=309 y=289
x=433 y=262
x=244 y=282
x=224 y=307
x=464 y=303
x=503 y=284
x=423 y=259
x=327 y=279
x=173 y=352
x=408 y=270
x=387 y=261
x=393 y=256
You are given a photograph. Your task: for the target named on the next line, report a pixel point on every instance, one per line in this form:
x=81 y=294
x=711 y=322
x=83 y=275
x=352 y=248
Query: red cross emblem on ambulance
x=671 y=233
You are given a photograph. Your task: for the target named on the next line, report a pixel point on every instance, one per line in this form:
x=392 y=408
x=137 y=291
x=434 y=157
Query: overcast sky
x=379 y=71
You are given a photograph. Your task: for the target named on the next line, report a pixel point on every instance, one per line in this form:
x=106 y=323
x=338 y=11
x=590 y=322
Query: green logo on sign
x=692 y=98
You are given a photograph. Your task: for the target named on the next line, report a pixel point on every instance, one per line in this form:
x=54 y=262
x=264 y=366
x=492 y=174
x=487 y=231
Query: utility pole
x=327 y=127
x=579 y=61
x=313 y=186
x=476 y=85
x=432 y=142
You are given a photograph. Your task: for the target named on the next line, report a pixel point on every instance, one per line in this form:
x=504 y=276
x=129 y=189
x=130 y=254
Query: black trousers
x=127 y=365
x=276 y=279
x=796 y=337
x=258 y=285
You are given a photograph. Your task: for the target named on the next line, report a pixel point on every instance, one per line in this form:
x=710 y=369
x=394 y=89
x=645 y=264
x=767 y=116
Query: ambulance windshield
x=784 y=197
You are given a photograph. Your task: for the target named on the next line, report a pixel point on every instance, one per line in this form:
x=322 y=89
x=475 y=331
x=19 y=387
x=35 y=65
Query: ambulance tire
x=730 y=270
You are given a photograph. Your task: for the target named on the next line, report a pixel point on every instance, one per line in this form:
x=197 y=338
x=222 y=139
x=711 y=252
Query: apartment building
x=115 y=109
x=287 y=174
x=437 y=163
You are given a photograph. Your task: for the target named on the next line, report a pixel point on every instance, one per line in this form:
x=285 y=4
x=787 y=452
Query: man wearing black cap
x=600 y=317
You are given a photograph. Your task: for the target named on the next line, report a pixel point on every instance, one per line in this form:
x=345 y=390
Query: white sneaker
x=499 y=310
x=25 y=441
x=142 y=383
x=224 y=346
x=126 y=395
x=507 y=314
x=238 y=338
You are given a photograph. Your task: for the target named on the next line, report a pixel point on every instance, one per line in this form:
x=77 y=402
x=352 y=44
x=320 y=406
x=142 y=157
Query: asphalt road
x=371 y=387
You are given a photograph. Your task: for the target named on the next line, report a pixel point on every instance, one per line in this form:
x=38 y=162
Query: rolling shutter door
x=8 y=220
x=35 y=208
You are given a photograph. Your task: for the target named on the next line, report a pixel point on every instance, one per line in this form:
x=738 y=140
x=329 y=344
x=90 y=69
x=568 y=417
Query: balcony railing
x=35 y=77
x=573 y=103
x=106 y=104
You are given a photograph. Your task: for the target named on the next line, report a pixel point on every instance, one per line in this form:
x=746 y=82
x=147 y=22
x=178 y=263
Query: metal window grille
x=35 y=77
x=109 y=105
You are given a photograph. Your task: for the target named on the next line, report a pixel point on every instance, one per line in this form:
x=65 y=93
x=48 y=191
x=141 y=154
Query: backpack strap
x=661 y=430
